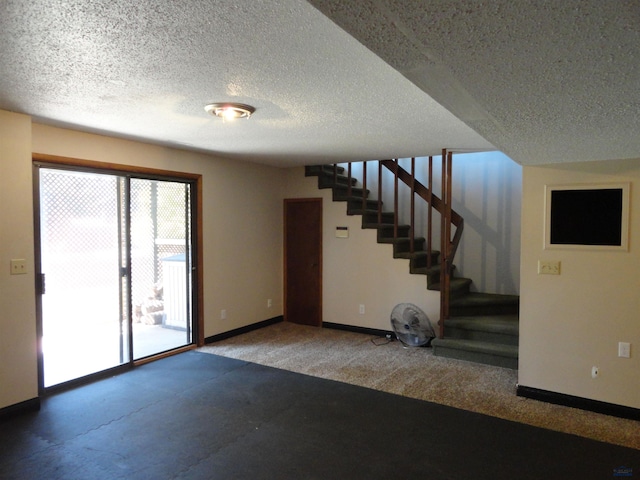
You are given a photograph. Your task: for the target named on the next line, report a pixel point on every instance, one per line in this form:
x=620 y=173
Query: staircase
x=478 y=327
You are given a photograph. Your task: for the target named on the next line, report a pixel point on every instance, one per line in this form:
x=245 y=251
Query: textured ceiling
x=146 y=69
x=543 y=81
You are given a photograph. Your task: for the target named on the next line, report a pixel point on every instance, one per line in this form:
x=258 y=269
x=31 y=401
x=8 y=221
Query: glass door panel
x=160 y=266
x=82 y=322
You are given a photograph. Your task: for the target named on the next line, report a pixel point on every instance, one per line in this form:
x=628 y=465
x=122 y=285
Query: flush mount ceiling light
x=230 y=111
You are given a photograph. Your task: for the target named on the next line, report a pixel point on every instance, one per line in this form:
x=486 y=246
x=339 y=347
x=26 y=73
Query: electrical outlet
x=548 y=267
x=624 y=350
x=595 y=371
x=223 y=314
x=269 y=303
x=18 y=266
x=361 y=309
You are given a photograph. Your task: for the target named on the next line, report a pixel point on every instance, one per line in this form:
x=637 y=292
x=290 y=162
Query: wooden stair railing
x=448 y=216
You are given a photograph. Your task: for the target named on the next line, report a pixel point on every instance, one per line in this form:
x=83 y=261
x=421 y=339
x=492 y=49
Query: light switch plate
x=548 y=267
x=18 y=266
x=624 y=350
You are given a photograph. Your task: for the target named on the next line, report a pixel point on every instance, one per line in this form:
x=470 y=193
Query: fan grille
x=411 y=325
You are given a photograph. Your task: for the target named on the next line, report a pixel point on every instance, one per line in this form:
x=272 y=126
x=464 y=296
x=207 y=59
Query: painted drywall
x=242 y=220
x=486 y=192
x=18 y=351
x=357 y=270
x=574 y=321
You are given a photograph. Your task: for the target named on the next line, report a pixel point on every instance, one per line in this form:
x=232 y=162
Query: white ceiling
x=542 y=81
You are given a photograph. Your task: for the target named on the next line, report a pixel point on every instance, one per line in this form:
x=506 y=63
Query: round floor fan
x=411 y=325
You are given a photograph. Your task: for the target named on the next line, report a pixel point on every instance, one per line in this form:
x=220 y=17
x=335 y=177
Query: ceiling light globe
x=229 y=111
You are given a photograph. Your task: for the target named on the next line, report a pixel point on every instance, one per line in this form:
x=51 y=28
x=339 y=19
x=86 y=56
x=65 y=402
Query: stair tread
x=435 y=268
x=371 y=225
x=400 y=240
x=316 y=169
x=498 y=349
x=506 y=324
x=358 y=199
x=476 y=299
x=456 y=283
x=424 y=253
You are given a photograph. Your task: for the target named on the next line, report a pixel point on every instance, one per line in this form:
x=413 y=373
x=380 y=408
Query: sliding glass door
x=160 y=266
x=115 y=267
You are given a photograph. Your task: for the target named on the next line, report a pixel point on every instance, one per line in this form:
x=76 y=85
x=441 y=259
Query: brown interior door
x=303 y=261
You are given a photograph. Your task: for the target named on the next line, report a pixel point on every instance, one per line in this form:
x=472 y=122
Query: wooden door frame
x=288 y=201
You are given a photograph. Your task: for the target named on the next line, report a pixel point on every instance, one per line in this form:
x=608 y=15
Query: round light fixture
x=230 y=111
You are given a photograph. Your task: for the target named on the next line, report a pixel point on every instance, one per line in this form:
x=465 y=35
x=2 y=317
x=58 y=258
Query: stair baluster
x=364 y=187
x=395 y=203
x=445 y=243
x=429 y=212
x=379 y=193
x=412 y=227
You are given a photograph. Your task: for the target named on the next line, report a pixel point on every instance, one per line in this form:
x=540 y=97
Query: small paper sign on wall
x=342 y=232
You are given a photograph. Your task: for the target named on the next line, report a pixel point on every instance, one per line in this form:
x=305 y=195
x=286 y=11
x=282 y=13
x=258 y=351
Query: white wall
x=487 y=190
x=242 y=229
x=18 y=353
x=357 y=270
x=572 y=322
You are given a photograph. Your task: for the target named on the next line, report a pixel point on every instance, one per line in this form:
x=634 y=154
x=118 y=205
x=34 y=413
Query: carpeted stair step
x=313 y=170
x=402 y=246
x=354 y=206
x=385 y=232
x=433 y=276
x=328 y=181
x=458 y=287
x=496 y=354
x=370 y=219
x=341 y=194
x=475 y=303
x=418 y=263
x=503 y=329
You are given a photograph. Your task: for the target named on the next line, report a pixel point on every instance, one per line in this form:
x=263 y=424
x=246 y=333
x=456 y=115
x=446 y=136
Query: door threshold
x=170 y=353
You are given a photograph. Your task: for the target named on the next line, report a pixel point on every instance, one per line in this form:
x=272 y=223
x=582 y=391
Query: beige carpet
x=414 y=372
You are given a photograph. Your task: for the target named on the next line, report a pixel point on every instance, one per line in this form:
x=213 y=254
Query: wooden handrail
x=422 y=191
